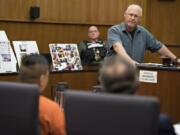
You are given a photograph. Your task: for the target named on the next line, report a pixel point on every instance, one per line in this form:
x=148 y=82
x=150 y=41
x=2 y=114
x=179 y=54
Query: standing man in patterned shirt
x=130 y=40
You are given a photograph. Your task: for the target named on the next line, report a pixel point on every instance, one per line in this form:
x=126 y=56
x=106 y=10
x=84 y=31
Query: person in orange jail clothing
x=34 y=69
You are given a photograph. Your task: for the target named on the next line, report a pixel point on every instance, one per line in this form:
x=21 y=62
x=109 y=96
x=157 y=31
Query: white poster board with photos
x=22 y=48
x=65 y=57
x=7 y=58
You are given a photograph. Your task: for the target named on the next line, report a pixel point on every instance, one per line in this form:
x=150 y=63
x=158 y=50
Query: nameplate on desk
x=148 y=76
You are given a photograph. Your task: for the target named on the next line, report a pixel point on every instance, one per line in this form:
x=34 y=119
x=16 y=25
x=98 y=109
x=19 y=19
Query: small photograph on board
x=6 y=57
x=22 y=48
x=65 y=57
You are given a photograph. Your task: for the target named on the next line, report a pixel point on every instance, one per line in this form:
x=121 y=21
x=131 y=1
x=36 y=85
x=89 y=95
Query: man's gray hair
x=135 y=6
x=120 y=82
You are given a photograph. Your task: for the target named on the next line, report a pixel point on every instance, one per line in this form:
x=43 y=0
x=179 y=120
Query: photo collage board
x=65 y=57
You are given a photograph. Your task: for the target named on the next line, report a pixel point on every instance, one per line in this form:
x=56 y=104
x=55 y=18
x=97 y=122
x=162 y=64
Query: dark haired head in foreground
x=118 y=76
x=34 y=69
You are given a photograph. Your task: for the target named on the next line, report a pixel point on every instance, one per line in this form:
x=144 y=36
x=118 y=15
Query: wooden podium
x=167 y=89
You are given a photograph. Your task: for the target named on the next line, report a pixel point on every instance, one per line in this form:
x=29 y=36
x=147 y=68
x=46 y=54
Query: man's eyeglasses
x=93 y=31
x=133 y=15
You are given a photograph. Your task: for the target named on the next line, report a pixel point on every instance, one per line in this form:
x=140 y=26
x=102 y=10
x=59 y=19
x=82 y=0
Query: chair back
x=89 y=113
x=19 y=109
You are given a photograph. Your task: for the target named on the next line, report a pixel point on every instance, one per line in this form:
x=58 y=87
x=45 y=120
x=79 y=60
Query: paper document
x=7 y=58
x=24 y=47
x=177 y=128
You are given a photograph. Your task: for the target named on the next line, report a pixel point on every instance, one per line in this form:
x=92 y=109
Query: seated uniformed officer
x=92 y=50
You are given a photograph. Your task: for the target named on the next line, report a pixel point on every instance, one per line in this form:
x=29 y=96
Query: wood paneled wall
x=60 y=20
x=163 y=21
x=45 y=33
x=68 y=20
x=155 y=57
x=68 y=11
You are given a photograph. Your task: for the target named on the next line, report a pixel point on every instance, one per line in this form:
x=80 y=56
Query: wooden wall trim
x=54 y=22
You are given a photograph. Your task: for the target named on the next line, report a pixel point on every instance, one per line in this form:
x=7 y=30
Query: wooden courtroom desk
x=83 y=80
x=167 y=89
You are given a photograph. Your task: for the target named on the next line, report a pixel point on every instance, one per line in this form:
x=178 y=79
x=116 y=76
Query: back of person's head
x=34 y=69
x=117 y=75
